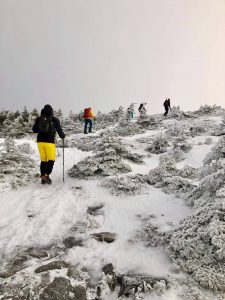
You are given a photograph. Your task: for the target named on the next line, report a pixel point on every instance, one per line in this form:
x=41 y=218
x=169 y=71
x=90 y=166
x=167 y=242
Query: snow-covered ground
x=38 y=215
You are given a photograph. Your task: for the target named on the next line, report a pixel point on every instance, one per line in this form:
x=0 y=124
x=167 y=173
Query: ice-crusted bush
x=16 y=167
x=126 y=128
x=113 y=142
x=130 y=185
x=149 y=122
x=182 y=145
x=104 y=163
x=148 y=233
x=198 y=245
x=209 y=185
x=214 y=160
x=209 y=110
x=84 y=143
x=177 y=185
x=159 y=145
x=188 y=172
x=165 y=176
x=181 y=131
x=172 y=157
x=196 y=130
x=25 y=148
x=217 y=152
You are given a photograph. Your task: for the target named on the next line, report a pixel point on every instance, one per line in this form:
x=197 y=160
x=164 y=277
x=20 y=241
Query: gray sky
x=105 y=53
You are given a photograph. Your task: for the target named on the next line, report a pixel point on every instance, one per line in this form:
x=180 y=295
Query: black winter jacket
x=48 y=137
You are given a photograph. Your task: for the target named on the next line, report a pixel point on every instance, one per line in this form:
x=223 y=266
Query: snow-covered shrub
x=181 y=131
x=148 y=233
x=209 y=185
x=157 y=175
x=172 y=157
x=198 y=245
x=159 y=145
x=188 y=172
x=217 y=152
x=104 y=163
x=25 y=148
x=209 y=110
x=126 y=128
x=177 y=185
x=113 y=142
x=196 y=130
x=84 y=143
x=182 y=145
x=149 y=122
x=130 y=185
x=16 y=167
x=177 y=154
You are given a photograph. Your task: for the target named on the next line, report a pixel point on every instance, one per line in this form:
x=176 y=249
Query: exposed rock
x=71 y=242
x=14 y=266
x=108 y=269
x=52 y=266
x=61 y=289
x=95 y=210
x=104 y=237
x=37 y=253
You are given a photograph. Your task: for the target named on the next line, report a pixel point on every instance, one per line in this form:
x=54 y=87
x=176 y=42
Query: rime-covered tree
x=25 y=114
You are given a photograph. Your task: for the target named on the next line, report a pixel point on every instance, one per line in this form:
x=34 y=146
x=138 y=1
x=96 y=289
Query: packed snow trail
x=39 y=215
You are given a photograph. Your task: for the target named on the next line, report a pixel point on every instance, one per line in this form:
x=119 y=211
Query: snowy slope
x=38 y=216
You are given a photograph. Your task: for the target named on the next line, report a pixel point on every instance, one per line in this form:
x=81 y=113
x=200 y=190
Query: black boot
x=48 y=180
x=43 y=179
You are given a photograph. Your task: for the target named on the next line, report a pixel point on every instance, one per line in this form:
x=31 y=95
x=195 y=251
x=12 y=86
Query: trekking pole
x=63 y=160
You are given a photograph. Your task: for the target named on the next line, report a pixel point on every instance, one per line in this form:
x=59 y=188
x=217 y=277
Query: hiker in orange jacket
x=88 y=117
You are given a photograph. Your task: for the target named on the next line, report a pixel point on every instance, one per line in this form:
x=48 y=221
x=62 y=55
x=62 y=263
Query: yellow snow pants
x=46 y=151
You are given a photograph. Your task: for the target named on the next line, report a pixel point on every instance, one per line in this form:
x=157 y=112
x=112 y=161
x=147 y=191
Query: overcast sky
x=105 y=53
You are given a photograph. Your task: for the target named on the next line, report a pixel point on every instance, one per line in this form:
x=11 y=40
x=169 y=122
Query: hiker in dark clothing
x=142 y=110
x=46 y=127
x=167 y=106
x=141 y=107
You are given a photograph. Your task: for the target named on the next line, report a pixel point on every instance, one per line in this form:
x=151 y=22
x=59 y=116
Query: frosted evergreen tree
x=25 y=114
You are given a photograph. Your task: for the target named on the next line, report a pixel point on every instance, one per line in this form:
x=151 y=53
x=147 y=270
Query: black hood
x=47 y=110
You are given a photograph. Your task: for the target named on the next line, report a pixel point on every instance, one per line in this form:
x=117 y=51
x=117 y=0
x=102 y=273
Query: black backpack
x=45 y=125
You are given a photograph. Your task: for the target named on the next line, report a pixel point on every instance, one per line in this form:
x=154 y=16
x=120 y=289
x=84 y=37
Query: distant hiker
x=130 y=112
x=166 y=106
x=88 y=117
x=46 y=127
x=142 y=110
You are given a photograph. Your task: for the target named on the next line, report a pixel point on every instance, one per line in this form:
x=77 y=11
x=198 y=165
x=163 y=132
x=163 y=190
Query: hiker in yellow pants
x=46 y=126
